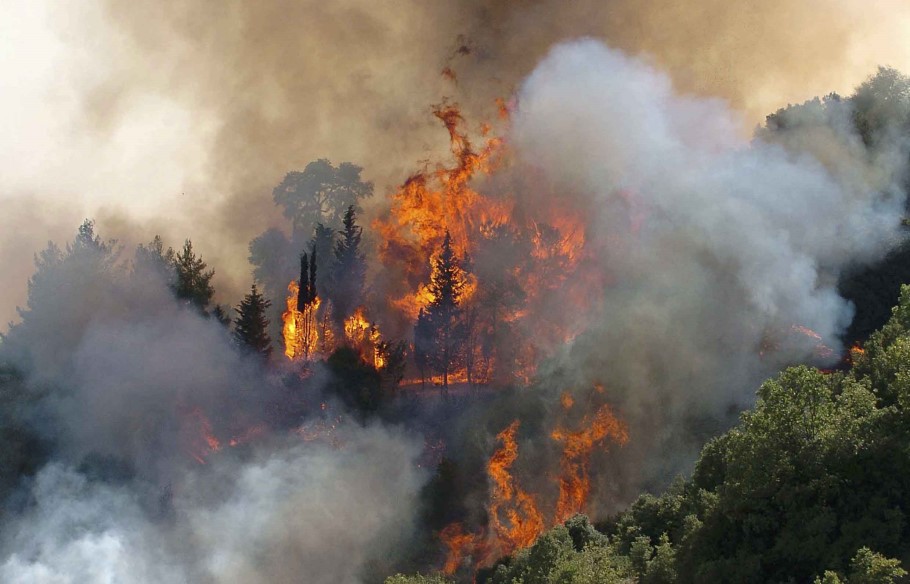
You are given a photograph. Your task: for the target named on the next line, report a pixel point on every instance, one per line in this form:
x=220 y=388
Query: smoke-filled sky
x=178 y=118
x=171 y=117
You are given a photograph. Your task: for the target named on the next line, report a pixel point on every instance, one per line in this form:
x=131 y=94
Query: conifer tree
x=306 y=298
x=441 y=325
x=349 y=269
x=251 y=324
x=192 y=282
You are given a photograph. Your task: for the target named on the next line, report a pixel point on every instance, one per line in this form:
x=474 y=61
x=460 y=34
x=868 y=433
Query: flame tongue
x=309 y=333
x=513 y=512
x=547 y=243
x=575 y=481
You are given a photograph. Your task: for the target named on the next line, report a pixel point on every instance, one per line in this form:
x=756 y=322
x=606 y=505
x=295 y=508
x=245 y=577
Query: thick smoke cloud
x=127 y=388
x=177 y=106
x=718 y=249
x=294 y=512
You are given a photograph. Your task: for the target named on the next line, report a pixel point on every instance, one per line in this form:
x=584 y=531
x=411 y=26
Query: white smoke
x=133 y=493
x=717 y=248
x=303 y=512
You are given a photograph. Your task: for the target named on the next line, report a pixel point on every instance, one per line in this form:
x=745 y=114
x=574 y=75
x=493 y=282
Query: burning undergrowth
x=551 y=321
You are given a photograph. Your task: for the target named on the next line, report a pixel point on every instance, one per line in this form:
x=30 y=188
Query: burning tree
x=439 y=335
x=300 y=321
x=348 y=271
x=251 y=325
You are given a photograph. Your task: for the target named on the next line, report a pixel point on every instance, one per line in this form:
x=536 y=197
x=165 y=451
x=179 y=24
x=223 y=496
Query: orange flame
x=821 y=350
x=365 y=336
x=298 y=328
x=513 y=512
x=442 y=199
x=458 y=545
x=575 y=481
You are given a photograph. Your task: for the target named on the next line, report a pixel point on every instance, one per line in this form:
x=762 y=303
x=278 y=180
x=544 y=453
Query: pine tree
x=442 y=321
x=251 y=324
x=349 y=270
x=192 y=283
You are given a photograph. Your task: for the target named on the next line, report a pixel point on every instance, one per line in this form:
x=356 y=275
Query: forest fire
x=299 y=336
x=500 y=302
x=459 y=545
x=307 y=333
x=204 y=442
x=514 y=515
x=574 y=480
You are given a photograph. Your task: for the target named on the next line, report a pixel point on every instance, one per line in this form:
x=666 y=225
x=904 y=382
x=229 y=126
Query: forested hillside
x=810 y=486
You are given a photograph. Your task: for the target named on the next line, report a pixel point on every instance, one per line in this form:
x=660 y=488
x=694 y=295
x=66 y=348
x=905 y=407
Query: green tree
x=868 y=567
x=192 y=282
x=251 y=325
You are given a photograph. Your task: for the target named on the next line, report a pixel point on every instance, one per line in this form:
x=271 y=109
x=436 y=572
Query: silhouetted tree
x=321 y=244
x=349 y=270
x=441 y=324
x=356 y=383
x=153 y=260
x=68 y=290
x=251 y=324
x=394 y=357
x=304 y=290
x=320 y=194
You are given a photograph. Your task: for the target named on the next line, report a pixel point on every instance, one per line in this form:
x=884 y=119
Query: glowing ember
x=204 y=442
x=821 y=350
x=247 y=435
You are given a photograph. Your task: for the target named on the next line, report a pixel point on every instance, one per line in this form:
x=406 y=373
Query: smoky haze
x=714 y=252
x=139 y=387
x=176 y=118
x=720 y=252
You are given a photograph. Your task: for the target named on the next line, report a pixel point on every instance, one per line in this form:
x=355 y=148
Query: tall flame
x=549 y=239
x=514 y=515
x=575 y=480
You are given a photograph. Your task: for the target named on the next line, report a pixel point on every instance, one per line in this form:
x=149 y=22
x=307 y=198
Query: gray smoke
x=717 y=248
x=126 y=384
